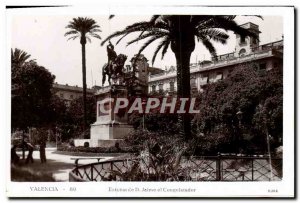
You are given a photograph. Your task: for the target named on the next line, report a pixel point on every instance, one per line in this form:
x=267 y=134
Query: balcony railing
x=216 y=64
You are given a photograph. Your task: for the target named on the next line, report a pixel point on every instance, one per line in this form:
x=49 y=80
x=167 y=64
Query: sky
x=43 y=38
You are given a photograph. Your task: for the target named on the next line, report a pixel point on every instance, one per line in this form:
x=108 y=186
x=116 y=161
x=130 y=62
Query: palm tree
x=181 y=32
x=19 y=57
x=85 y=28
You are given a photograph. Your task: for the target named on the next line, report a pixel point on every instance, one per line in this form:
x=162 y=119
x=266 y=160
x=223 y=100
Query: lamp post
x=239 y=115
x=143 y=104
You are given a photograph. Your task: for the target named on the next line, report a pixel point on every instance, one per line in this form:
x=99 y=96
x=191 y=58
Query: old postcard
x=156 y=101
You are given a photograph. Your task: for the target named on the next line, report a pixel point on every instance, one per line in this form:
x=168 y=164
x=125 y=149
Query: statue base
x=109 y=128
x=103 y=135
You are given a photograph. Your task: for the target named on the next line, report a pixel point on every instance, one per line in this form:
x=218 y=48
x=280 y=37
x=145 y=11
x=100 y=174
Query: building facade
x=247 y=50
x=69 y=93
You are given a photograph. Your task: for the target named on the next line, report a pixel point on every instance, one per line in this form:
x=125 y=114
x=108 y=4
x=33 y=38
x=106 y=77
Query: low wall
x=80 y=142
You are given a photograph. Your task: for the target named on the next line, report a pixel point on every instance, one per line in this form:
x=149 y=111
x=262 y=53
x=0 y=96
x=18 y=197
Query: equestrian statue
x=114 y=67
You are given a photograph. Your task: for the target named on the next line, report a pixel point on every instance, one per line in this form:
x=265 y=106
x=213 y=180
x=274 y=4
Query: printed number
x=272 y=190
x=73 y=189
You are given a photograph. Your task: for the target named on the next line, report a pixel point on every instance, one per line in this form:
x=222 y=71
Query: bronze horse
x=114 y=70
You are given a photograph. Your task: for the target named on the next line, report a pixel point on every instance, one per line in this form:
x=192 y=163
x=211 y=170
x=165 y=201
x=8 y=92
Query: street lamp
x=143 y=104
x=239 y=115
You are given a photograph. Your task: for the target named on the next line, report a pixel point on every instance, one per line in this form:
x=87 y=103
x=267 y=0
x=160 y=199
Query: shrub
x=86 y=144
x=160 y=159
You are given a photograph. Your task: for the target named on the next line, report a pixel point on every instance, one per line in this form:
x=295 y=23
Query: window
x=161 y=89
x=172 y=89
x=210 y=78
x=243 y=40
x=61 y=95
x=262 y=66
x=71 y=96
x=255 y=41
x=275 y=65
x=193 y=82
x=219 y=76
x=205 y=78
x=153 y=88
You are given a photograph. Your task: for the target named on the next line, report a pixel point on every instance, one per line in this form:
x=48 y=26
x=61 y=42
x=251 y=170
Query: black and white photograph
x=157 y=102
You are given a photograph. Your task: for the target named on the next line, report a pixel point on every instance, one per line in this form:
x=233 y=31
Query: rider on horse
x=115 y=64
x=111 y=54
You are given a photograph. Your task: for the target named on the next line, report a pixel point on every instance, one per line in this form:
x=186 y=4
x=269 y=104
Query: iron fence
x=206 y=168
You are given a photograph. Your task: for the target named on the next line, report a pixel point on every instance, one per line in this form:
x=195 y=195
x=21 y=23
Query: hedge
x=98 y=149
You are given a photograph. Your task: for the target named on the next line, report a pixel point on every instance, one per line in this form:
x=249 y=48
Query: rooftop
x=67 y=87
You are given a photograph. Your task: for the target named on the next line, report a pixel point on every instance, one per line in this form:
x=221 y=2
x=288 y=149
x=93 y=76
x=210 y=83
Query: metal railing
x=206 y=168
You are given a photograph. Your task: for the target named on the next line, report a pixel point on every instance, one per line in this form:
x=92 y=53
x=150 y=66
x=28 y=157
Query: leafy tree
x=73 y=124
x=180 y=32
x=257 y=96
x=83 y=28
x=31 y=95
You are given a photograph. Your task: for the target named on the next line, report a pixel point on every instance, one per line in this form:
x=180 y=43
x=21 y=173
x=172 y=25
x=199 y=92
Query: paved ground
x=57 y=164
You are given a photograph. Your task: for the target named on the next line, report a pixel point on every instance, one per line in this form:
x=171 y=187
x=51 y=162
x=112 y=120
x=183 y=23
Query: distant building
x=247 y=49
x=69 y=93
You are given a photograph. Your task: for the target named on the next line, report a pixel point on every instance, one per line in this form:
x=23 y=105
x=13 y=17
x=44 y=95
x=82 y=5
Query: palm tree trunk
x=84 y=85
x=183 y=89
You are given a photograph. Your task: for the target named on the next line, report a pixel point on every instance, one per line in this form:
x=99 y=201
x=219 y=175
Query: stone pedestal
x=110 y=128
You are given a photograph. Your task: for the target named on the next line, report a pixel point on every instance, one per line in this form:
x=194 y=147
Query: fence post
x=92 y=169
x=252 y=168
x=218 y=168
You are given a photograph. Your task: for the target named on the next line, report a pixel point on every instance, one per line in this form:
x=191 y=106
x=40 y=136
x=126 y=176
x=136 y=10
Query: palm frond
x=89 y=39
x=210 y=47
x=95 y=30
x=71 y=32
x=165 y=49
x=154 y=18
x=215 y=34
x=95 y=35
x=73 y=37
x=123 y=32
x=258 y=16
x=146 y=44
x=83 y=26
x=149 y=34
x=119 y=40
x=162 y=43
x=19 y=56
x=223 y=23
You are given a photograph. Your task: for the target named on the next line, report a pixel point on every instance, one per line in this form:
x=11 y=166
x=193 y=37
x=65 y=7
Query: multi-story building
x=247 y=49
x=69 y=93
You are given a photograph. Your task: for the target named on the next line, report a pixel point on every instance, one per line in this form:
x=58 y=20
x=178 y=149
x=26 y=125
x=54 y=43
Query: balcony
x=218 y=64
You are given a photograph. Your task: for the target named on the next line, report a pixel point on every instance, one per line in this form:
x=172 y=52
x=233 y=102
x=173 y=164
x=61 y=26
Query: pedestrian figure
x=30 y=152
x=43 y=152
x=14 y=156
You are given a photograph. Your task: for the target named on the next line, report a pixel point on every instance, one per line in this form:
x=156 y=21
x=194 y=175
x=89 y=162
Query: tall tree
x=180 y=32
x=83 y=28
x=31 y=95
x=31 y=92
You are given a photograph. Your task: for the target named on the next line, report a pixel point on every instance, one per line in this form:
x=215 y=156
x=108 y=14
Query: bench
x=85 y=158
